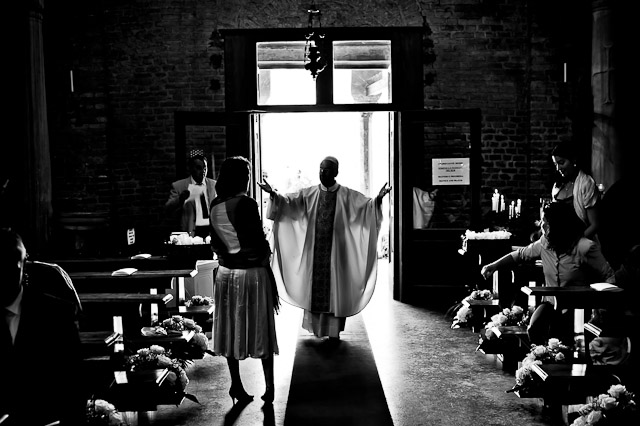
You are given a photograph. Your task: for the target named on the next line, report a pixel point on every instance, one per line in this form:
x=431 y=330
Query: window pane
x=282 y=79
x=362 y=72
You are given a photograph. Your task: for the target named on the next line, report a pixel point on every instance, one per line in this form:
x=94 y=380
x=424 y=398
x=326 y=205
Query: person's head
x=234 y=176
x=198 y=167
x=561 y=226
x=328 y=171
x=565 y=159
x=12 y=259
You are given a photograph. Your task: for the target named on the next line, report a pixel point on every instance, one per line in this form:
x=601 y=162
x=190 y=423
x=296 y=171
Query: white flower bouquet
x=183 y=246
x=463 y=316
x=487 y=235
x=616 y=407
x=184 y=239
x=515 y=316
x=463 y=313
x=553 y=352
x=199 y=343
x=198 y=300
x=102 y=413
x=155 y=357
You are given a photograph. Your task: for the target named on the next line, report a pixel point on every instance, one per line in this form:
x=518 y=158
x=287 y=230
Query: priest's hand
x=266 y=187
x=383 y=191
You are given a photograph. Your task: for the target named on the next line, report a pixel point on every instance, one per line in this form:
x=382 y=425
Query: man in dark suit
x=190 y=198
x=39 y=346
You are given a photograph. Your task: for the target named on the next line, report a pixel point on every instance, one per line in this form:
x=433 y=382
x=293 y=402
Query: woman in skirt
x=245 y=294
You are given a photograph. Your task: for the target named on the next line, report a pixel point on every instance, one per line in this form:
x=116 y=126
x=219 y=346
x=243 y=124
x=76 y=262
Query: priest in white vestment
x=325 y=249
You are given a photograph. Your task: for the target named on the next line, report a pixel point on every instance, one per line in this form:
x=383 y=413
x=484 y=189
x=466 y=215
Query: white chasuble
x=354 y=248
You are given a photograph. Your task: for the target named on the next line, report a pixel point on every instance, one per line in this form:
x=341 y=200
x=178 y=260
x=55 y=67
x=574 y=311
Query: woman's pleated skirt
x=243 y=319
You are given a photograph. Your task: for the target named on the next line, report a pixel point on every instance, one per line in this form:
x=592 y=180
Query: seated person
x=568 y=259
x=618 y=326
x=190 y=198
x=39 y=348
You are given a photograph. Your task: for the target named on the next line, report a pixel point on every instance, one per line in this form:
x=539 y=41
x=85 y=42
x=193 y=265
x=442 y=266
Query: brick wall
x=136 y=62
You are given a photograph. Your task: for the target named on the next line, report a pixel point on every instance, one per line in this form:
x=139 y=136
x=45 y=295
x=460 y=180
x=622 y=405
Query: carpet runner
x=336 y=383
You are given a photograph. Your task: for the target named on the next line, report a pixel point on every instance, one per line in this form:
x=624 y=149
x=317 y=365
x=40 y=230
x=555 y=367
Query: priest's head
x=328 y=171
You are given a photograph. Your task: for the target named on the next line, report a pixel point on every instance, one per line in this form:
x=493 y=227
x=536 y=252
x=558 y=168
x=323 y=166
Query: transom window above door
x=360 y=72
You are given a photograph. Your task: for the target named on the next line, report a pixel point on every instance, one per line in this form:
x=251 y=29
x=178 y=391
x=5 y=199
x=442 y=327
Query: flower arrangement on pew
x=156 y=357
x=616 y=407
x=198 y=300
x=102 y=413
x=463 y=313
x=199 y=343
x=514 y=316
x=553 y=352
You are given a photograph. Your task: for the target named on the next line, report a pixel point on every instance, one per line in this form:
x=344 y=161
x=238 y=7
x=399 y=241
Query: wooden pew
x=510 y=345
x=572 y=383
x=88 y=299
x=481 y=311
x=202 y=315
x=581 y=298
x=136 y=309
x=131 y=297
x=123 y=293
x=141 y=390
x=141 y=280
x=109 y=305
x=131 y=389
x=102 y=353
x=100 y=264
x=168 y=342
x=578 y=297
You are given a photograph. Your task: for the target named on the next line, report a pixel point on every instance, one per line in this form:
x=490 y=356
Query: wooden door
x=438 y=154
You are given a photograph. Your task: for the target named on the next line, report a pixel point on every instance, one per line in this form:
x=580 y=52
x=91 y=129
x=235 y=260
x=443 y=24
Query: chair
x=51 y=279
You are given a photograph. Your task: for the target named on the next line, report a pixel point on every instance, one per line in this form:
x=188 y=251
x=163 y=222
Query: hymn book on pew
x=123 y=272
x=605 y=287
x=140 y=256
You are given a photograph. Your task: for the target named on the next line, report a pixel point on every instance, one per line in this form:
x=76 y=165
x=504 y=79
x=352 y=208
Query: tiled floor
x=431 y=375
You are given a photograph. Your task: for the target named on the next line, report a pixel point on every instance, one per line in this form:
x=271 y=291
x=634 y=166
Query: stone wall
x=136 y=62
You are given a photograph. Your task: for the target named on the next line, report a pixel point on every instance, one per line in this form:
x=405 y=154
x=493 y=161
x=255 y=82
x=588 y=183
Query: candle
x=512 y=208
x=518 y=207
x=495 y=200
x=71 y=78
x=564 y=78
x=502 y=204
x=117 y=324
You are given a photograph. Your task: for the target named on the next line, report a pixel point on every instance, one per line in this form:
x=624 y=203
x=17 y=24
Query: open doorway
x=292 y=145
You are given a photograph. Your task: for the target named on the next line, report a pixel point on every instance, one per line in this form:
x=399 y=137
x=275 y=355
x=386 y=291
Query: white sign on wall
x=450 y=171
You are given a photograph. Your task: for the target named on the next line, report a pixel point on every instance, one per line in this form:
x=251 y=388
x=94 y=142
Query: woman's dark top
x=238 y=238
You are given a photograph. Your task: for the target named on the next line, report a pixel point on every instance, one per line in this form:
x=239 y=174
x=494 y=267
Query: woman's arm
x=593 y=216
x=530 y=252
x=506 y=260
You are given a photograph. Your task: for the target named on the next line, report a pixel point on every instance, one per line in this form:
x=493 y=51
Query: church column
x=606 y=149
x=34 y=178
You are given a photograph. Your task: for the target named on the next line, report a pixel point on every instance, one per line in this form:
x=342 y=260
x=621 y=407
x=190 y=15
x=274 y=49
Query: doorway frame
x=424 y=243
x=407 y=82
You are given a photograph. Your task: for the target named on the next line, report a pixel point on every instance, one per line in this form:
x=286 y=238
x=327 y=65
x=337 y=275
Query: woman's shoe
x=238 y=393
x=268 y=395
